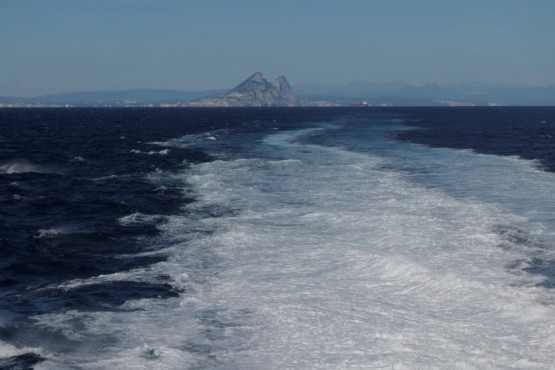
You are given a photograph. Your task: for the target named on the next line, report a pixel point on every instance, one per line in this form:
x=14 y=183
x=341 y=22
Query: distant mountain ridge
x=467 y=93
x=112 y=97
x=143 y=95
x=255 y=91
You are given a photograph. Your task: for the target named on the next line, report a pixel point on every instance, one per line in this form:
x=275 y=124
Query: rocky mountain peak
x=257 y=76
x=255 y=91
x=254 y=82
x=282 y=85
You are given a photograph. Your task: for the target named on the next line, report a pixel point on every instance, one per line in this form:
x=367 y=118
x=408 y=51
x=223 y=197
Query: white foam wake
x=326 y=259
x=343 y=265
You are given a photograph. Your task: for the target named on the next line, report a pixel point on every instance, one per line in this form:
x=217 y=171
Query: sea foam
x=323 y=257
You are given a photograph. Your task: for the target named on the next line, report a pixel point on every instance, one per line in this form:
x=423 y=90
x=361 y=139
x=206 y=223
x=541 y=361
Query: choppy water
x=277 y=238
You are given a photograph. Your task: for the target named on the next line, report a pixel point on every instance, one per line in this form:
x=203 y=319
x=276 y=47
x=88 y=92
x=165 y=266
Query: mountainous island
x=255 y=91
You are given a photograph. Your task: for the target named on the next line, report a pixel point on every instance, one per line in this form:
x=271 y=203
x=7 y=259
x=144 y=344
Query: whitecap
x=24 y=166
x=138 y=218
x=8 y=350
x=78 y=159
x=53 y=232
x=152 y=152
x=192 y=140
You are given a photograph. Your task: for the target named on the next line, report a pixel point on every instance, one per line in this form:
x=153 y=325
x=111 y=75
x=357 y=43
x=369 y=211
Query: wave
x=138 y=218
x=152 y=152
x=23 y=166
x=78 y=159
x=193 y=139
x=12 y=357
x=54 y=232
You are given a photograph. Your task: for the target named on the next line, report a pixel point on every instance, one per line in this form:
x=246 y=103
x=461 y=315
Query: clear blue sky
x=51 y=46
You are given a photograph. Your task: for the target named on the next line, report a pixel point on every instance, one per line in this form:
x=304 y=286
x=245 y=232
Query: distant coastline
x=255 y=91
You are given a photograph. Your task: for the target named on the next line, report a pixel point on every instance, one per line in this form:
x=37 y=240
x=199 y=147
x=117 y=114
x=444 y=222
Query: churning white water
x=307 y=256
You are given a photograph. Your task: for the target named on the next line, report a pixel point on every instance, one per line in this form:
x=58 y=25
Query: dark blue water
x=526 y=132
x=69 y=176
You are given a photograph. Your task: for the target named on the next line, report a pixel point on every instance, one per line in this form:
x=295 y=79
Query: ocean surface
x=290 y=238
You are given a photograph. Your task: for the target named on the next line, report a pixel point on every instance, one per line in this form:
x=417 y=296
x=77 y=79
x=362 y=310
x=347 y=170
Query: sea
x=277 y=238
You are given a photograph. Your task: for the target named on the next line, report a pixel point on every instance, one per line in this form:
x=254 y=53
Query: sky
x=55 y=46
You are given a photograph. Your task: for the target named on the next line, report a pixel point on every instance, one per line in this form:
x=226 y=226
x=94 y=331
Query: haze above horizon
x=66 y=45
